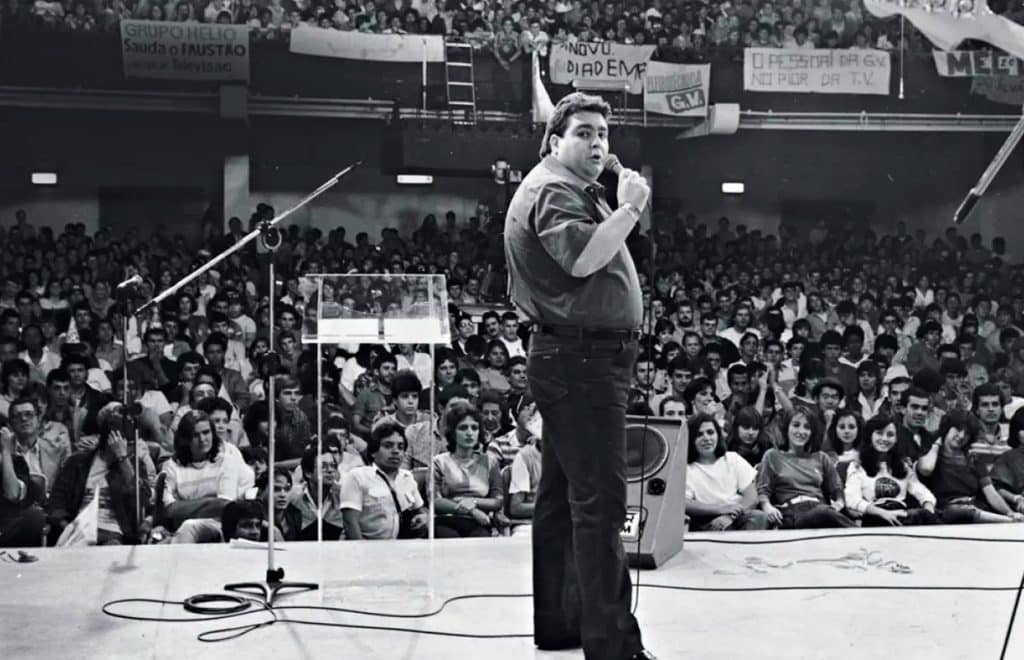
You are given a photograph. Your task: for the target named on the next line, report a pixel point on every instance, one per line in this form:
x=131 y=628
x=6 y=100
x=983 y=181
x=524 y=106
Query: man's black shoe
x=558 y=644
x=643 y=655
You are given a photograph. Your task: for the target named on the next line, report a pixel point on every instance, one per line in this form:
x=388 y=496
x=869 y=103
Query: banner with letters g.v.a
x=679 y=90
x=185 y=51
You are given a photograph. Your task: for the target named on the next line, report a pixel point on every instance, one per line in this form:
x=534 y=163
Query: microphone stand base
x=273 y=587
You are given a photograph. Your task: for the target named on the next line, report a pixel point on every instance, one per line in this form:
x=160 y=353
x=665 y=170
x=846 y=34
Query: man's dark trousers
x=581 y=585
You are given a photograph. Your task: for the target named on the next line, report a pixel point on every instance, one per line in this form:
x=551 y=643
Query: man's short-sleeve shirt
x=365 y=490
x=550 y=220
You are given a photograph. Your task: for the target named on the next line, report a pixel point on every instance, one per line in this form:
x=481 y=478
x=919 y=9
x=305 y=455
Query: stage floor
x=51 y=608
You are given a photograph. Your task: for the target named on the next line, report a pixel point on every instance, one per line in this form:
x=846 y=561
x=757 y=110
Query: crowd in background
x=829 y=376
x=689 y=31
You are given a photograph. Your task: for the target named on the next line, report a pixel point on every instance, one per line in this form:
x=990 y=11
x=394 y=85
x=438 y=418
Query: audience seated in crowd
x=681 y=30
x=836 y=376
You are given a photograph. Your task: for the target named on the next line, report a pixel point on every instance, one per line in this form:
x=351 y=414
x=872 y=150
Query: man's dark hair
x=470 y=375
x=216 y=339
x=913 y=391
x=211 y=373
x=985 y=389
x=191 y=357
x=58 y=375
x=209 y=404
x=238 y=510
x=831 y=338
x=566 y=108
x=381 y=431
x=380 y=359
x=74 y=358
x=404 y=381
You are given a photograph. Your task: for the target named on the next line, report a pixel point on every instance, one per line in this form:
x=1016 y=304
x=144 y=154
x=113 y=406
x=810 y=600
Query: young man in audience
x=106 y=472
x=153 y=366
x=376 y=400
x=22 y=496
x=525 y=471
x=43 y=448
x=912 y=438
x=510 y=335
x=214 y=350
x=319 y=497
x=382 y=500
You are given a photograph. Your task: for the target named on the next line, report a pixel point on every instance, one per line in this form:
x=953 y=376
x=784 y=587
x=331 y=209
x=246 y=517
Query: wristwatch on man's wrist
x=633 y=210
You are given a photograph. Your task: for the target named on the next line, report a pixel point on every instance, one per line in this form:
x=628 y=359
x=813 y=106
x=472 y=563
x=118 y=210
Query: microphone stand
x=127 y=429
x=975 y=193
x=269 y=240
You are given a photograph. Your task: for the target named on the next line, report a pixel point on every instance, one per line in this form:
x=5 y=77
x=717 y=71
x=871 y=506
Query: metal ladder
x=460 y=82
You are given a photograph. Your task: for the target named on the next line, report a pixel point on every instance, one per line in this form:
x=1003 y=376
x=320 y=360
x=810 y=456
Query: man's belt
x=588 y=334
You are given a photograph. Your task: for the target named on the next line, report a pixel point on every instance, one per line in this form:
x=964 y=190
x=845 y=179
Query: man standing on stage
x=574 y=278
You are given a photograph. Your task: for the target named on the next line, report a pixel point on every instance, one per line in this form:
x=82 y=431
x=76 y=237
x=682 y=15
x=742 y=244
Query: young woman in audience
x=747 y=437
x=201 y=478
x=54 y=299
x=493 y=373
x=841 y=440
x=961 y=483
x=287 y=520
x=700 y=399
x=721 y=492
x=467 y=481
x=878 y=483
x=13 y=380
x=797 y=483
x=1008 y=470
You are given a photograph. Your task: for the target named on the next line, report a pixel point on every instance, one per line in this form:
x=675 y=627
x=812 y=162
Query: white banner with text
x=679 y=90
x=816 y=71
x=185 y=51
x=309 y=40
x=600 y=64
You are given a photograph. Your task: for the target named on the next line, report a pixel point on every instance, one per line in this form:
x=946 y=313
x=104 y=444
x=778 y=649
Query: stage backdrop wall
x=916 y=177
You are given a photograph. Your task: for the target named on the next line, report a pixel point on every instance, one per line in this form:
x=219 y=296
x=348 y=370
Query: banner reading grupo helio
x=185 y=51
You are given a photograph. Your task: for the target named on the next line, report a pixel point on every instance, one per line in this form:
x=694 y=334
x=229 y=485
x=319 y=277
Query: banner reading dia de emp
x=680 y=90
x=185 y=51
x=818 y=71
x=602 y=63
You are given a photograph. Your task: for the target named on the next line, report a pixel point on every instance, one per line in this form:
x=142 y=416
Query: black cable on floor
x=234 y=604
x=854 y=535
x=1013 y=615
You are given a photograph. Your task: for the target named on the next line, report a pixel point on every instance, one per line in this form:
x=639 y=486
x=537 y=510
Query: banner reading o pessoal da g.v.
x=185 y=51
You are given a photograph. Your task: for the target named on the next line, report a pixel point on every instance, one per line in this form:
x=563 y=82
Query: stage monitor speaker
x=656 y=462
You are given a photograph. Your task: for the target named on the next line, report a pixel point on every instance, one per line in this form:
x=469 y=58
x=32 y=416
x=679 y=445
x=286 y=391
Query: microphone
x=966 y=206
x=134 y=280
x=613 y=164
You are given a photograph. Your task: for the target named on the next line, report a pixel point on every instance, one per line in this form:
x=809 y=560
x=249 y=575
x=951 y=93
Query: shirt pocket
x=379 y=492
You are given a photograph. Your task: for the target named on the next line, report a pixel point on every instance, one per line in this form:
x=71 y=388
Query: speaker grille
x=646 y=452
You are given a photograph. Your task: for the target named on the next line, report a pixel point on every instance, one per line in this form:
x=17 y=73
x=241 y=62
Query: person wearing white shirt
x=204 y=475
x=740 y=326
x=509 y=335
x=409 y=358
x=799 y=40
x=721 y=492
x=877 y=485
x=383 y=501
x=536 y=40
